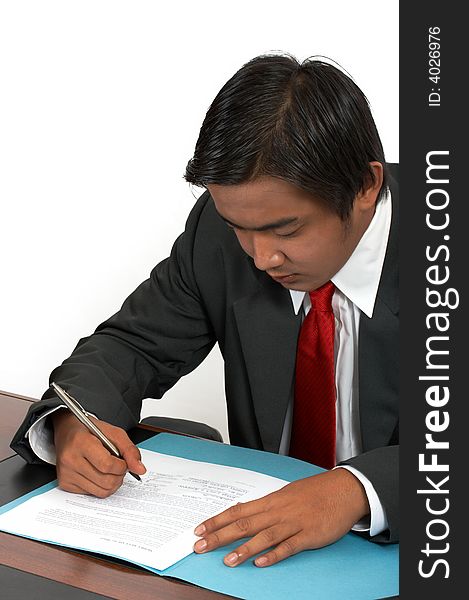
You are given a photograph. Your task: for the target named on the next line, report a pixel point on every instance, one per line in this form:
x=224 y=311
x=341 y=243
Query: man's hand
x=309 y=513
x=84 y=466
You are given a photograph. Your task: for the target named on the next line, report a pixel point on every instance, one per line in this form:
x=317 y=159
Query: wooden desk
x=66 y=573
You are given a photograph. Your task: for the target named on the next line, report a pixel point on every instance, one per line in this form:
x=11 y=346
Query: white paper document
x=150 y=523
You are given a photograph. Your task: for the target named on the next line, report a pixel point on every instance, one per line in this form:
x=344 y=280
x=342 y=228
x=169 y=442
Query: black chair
x=182 y=426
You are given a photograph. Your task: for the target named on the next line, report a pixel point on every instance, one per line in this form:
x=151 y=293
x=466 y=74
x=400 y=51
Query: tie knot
x=321 y=299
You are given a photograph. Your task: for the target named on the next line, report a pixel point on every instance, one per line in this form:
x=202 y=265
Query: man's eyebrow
x=273 y=225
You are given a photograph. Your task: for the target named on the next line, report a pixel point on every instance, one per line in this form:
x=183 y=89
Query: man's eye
x=289 y=234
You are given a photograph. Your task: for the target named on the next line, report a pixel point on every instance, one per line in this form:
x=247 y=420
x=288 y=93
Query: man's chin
x=296 y=287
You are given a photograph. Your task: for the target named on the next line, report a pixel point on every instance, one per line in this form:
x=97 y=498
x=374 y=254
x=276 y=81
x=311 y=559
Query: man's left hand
x=306 y=514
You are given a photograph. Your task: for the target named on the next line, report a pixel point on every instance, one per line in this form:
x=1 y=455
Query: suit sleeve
x=161 y=333
x=381 y=467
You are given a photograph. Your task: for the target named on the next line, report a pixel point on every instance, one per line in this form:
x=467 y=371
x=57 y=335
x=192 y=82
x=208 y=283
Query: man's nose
x=265 y=254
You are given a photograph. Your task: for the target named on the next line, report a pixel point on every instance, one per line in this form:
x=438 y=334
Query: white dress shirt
x=356 y=288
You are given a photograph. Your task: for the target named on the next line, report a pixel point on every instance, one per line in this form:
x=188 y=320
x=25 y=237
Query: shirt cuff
x=41 y=437
x=377 y=522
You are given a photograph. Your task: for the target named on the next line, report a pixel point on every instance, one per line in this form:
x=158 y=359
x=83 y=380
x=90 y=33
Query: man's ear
x=366 y=199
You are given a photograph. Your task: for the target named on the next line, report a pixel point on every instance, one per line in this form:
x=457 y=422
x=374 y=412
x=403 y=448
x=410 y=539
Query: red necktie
x=314 y=421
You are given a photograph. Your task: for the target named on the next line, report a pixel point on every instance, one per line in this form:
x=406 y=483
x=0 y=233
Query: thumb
x=131 y=455
x=129 y=451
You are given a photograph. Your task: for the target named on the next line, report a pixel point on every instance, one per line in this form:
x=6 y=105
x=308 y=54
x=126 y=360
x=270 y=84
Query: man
x=298 y=200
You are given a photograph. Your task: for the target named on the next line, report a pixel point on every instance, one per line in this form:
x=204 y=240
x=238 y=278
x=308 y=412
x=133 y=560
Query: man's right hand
x=84 y=466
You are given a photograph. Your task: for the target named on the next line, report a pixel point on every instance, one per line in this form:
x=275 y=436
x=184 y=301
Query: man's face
x=290 y=235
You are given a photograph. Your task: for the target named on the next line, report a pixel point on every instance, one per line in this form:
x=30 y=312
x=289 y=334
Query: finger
x=72 y=488
x=90 y=478
x=232 y=514
x=287 y=548
x=244 y=526
x=81 y=485
x=102 y=460
x=262 y=541
x=108 y=482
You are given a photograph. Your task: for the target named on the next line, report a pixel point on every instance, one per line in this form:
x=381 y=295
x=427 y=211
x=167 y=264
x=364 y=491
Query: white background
x=100 y=107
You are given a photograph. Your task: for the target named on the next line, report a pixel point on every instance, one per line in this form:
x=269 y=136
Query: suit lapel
x=379 y=349
x=268 y=330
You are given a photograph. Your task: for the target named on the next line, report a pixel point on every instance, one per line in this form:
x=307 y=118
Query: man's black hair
x=307 y=123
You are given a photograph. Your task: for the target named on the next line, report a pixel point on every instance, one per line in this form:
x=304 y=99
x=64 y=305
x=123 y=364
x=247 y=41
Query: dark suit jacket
x=209 y=291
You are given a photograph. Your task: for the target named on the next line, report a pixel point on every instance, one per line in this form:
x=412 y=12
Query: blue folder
x=352 y=568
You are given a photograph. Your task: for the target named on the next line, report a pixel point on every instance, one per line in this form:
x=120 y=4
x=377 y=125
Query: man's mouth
x=282 y=278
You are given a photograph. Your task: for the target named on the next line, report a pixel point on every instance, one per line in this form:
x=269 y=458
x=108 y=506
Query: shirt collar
x=359 y=278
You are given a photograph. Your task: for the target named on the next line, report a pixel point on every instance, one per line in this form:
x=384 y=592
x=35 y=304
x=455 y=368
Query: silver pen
x=75 y=407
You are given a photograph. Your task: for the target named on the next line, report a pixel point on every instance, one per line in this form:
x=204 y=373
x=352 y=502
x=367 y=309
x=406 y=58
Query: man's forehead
x=254 y=208
x=263 y=204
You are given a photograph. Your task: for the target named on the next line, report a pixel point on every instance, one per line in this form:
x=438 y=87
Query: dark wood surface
x=62 y=573
x=112 y=580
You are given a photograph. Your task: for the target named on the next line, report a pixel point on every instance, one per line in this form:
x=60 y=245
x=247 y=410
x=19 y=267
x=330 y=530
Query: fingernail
x=201 y=545
x=199 y=530
x=259 y=562
x=231 y=558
